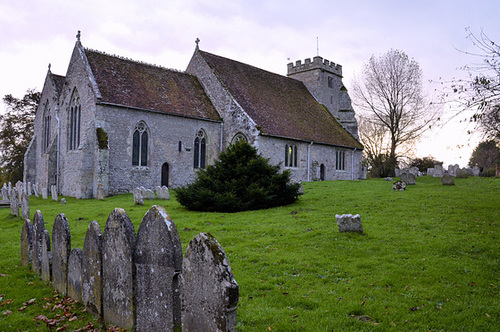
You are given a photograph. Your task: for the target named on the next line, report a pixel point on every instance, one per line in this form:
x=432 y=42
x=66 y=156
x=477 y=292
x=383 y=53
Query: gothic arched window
x=140 y=145
x=75 y=110
x=239 y=137
x=46 y=128
x=200 y=143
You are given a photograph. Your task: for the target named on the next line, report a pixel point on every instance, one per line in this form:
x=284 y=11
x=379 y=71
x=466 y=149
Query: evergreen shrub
x=240 y=180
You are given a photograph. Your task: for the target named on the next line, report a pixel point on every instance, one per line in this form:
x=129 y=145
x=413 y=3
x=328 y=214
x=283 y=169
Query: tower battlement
x=316 y=63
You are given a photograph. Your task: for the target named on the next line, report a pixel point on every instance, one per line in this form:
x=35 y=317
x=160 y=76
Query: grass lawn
x=429 y=258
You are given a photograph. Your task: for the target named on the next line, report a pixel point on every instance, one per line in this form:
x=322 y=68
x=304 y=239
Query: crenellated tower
x=323 y=78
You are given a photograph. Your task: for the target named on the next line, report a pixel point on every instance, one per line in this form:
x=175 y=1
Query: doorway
x=164 y=174
x=322 y=172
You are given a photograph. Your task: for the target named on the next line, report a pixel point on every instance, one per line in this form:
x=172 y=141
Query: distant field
x=429 y=258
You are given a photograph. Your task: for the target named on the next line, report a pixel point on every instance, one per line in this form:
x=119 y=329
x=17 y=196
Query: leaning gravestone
x=408 y=178
x=14 y=203
x=38 y=228
x=209 y=292
x=26 y=243
x=138 y=198
x=158 y=263
x=25 y=206
x=399 y=186
x=349 y=223
x=44 y=193
x=92 y=269
x=100 y=192
x=75 y=274
x=46 y=258
x=117 y=264
x=447 y=180
x=61 y=248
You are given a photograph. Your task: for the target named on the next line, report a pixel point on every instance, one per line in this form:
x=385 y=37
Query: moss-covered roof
x=279 y=105
x=144 y=86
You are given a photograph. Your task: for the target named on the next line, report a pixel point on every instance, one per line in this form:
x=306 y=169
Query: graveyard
x=427 y=258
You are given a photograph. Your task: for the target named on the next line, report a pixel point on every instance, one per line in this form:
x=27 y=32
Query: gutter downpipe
x=221 y=135
x=58 y=146
x=309 y=161
x=352 y=164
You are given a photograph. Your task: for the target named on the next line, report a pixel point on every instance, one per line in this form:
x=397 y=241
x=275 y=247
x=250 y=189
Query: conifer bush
x=240 y=180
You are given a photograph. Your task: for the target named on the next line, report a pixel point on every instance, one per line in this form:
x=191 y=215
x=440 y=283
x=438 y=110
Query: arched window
x=140 y=145
x=290 y=155
x=200 y=143
x=46 y=128
x=239 y=137
x=75 y=110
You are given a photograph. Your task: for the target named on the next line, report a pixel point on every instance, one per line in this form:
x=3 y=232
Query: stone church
x=123 y=123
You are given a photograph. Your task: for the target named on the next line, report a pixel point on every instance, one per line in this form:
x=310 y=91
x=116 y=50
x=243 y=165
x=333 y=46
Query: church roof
x=139 y=85
x=58 y=82
x=280 y=106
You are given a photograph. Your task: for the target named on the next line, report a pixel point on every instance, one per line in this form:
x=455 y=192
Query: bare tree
x=390 y=94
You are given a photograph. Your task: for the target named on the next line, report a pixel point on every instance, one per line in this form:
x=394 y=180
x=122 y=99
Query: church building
x=120 y=123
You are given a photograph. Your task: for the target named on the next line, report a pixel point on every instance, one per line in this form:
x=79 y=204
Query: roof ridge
x=133 y=60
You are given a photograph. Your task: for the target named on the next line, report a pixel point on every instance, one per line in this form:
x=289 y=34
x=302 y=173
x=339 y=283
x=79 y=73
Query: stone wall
x=158 y=288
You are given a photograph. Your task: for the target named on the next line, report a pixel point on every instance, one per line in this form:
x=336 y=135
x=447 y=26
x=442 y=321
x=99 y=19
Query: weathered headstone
x=464 y=173
x=349 y=223
x=117 y=264
x=158 y=263
x=438 y=171
x=414 y=170
x=61 y=247
x=162 y=193
x=45 y=195
x=399 y=186
x=53 y=192
x=148 y=194
x=5 y=192
x=14 y=203
x=46 y=258
x=408 y=178
x=38 y=228
x=75 y=274
x=28 y=189
x=35 y=190
x=447 y=180
x=26 y=243
x=138 y=199
x=209 y=292
x=100 y=192
x=475 y=171
x=92 y=269
x=430 y=171
x=25 y=206
x=452 y=169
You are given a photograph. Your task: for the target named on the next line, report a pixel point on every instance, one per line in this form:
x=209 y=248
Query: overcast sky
x=267 y=34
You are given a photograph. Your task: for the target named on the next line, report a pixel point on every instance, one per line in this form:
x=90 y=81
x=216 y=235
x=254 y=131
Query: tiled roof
x=135 y=84
x=59 y=82
x=279 y=105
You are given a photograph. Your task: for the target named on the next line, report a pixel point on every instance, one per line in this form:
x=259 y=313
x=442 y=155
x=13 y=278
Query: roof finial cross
x=50 y=66
x=197 y=41
x=78 y=35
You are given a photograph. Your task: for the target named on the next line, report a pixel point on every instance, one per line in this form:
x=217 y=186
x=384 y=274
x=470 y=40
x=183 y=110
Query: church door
x=164 y=174
x=322 y=172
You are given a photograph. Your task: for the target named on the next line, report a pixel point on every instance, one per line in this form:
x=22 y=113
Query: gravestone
x=63 y=200
x=46 y=258
x=118 y=247
x=61 y=248
x=35 y=190
x=408 y=178
x=430 y=171
x=349 y=223
x=399 y=186
x=158 y=263
x=464 y=173
x=475 y=171
x=26 y=243
x=38 y=228
x=452 y=169
x=414 y=170
x=75 y=274
x=148 y=194
x=28 y=189
x=53 y=192
x=25 y=206
x=92 y=270
x=44 y=193
x=438 y=171
x=209 y=292
x=5 y=192
x=447 y=180
x=100 y=192
x=14 y=203
x=10 y=188
x=162 y=193
x=138 y=199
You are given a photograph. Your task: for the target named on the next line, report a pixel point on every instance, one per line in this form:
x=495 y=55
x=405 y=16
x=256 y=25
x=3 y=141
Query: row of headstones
x=20 y=199
x=453 y=170
x=28 y=189
x=137 y=280
x=141 y=194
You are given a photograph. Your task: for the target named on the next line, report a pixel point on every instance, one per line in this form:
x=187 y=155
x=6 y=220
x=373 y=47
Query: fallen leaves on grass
x=7 y=312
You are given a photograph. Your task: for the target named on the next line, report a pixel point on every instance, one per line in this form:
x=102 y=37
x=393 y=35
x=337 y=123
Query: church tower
x=324 y=80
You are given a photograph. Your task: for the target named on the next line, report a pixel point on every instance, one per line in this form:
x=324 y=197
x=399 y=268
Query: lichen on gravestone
x=46 y=258
x=349 y=223
x=26 y=243
x=92 y=269
x=61 y=248
x=38 y=228
x=75 y=274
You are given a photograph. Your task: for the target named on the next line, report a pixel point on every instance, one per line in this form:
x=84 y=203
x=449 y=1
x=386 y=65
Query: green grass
x=429 y=258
